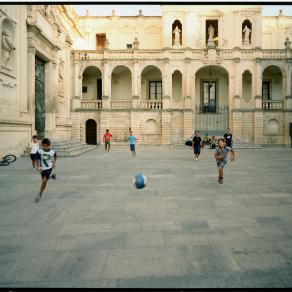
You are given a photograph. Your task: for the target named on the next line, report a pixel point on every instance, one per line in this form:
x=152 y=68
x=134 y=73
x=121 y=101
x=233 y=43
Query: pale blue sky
x=128 y=9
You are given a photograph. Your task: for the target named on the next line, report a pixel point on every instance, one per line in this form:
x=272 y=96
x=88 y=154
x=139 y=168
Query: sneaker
x=38 y=197
x=220 y=180
x=53 y=176
x=196 y=158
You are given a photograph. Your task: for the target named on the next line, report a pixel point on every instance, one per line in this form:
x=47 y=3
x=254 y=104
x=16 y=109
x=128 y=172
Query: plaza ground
x=92 y=228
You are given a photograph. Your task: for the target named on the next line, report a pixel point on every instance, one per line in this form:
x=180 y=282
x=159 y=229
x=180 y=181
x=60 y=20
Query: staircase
x=67 y=148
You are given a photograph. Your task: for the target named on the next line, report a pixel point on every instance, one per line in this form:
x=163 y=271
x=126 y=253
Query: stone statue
x=7 y=43
x=176 y=32
x=211 y=36
x=136 y=44
x=7 y=48
x=287 y=44
x=247 y=33
x=211 y=32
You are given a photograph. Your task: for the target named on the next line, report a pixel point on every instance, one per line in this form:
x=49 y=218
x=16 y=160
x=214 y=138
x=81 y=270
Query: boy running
x=34 y=147
x=197 y=144
x=47 y=159
x=228 y=138
x=221 y=157
x=107 y=140
x=132 y=141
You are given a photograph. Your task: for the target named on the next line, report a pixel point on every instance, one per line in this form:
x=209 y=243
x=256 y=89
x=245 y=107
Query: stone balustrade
x=273 y=104
x=91 y=104
x=121 y=104
x=177 y=54
x=151 y=104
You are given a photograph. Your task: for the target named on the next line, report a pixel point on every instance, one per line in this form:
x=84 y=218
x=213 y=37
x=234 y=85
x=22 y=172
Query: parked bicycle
x=7 y=159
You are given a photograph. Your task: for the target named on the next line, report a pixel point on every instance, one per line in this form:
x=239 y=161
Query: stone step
x=78 y=152
x=66 y=148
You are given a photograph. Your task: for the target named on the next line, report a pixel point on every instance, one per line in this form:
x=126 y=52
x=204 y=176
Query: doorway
x=91 y=132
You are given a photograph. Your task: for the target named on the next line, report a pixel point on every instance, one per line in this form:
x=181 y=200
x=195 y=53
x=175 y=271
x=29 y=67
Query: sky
x=129 y=9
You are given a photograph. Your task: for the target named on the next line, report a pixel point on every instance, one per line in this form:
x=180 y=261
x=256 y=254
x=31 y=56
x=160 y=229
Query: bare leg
x=33 y=163
x=220 y=178
x=109 y=146
x=43 y=185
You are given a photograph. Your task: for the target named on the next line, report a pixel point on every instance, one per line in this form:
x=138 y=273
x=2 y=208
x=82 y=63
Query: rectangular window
x=155 y=89
x=209 y=96
x=84 y=89
x=129 y=46
x=100 y=41
x=266 y=90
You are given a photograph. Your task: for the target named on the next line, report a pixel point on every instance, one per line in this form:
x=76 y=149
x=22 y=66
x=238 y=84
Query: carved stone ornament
x=212 y=56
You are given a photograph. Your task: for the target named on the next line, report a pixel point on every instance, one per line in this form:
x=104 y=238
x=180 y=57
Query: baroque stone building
x=66 y=76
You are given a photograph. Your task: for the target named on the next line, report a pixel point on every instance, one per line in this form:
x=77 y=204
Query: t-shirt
x=34 y=147
x=46 y=158
x=107 y=137
x=197 y=141
x=132 y=140
x=223 y=152
x=228 y=138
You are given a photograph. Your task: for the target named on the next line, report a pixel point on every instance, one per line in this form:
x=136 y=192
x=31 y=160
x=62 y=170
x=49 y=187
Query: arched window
x=176 y=33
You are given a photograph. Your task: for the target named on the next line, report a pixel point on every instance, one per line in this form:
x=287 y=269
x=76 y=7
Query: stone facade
x=194 y=67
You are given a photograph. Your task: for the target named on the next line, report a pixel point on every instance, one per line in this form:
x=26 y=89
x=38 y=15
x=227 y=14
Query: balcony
x=151 y=104
x=176 y=54
x=121 y=104
x=91 y=104
x=273 y=104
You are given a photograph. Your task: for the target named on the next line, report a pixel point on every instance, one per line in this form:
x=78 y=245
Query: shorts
x=107 y=143
x=132 y=147
x=197 y=150
x=33 y=156
x=46 y=173
x=221 y=164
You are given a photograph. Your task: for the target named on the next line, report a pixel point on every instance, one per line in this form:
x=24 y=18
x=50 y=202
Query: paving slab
x=93 y=228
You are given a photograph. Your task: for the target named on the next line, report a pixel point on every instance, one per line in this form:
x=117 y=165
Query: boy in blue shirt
x=221 y=157
x=132 y=141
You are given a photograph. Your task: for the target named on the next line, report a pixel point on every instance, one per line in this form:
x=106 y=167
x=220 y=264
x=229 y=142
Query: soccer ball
x=140 y=181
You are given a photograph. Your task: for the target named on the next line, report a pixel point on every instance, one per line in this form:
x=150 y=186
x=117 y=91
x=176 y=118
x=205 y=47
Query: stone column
x=31 y=82
x=77 y=80
x=165 y=101
x=187 y=77
x=136 y=85
x=166 y=79
x=257 y=81
x=106 y=87
x=51 y=97
x=288 y=85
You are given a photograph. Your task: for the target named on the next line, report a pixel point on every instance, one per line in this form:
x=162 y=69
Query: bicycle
x=7 y=159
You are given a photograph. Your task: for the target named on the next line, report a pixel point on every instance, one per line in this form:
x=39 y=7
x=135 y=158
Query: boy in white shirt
x=34 y=147
x=47 y=161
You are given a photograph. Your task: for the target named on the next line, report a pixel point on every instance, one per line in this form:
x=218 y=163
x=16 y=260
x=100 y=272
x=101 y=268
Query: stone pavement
x=92 y=228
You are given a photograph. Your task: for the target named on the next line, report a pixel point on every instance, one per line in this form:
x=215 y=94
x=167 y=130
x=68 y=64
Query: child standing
x=107 y=140
x=47 y=159
x=132 y=141
x=197 y=144
x=221 y=157
x=34 y=147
